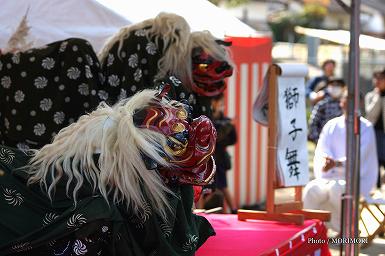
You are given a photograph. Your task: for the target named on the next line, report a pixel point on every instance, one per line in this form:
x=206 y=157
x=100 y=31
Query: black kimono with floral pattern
x=135 y=68
x=45 y=89
x=31 y=225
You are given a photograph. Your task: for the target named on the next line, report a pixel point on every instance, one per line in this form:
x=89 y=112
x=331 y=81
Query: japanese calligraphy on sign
x=292 y=155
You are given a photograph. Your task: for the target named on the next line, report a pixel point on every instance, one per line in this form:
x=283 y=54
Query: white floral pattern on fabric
x=13 y=197
x=191 y=243
x=104 y=229
x=110 y=60
x=151 y=48
x=88 y=71
x=138 y=75
x=89 y=60
x=122 y=95
x=79 y=248
x=49 y=218
x=175 y=81
x=22 y=146
x=48 y=63
x=59 y=117
x=6 y=156
x=63 y=46
x=133 y=60
x=102 y=78
x=16 y=58
x=103 y=95
x=76 y=220
x=19 y=96
x=73 y=73
x=53 y=242
x=84 y=89
x=141 y=218
x=6 y=123
x=39 y=129
x=21 y=247
x=140 y=32
x=166 y=230
x=6 y=82
x=45 y=104
x=114 y=80
x=40 y=82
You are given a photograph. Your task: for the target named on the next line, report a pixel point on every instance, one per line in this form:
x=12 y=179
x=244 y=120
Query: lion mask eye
x=178 y=127
x=203 y=67
x=182 y=114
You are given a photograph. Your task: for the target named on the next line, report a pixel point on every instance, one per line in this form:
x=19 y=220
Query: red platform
x=258 y=237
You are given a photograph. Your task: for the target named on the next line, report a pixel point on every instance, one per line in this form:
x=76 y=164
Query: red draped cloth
x=258 y=237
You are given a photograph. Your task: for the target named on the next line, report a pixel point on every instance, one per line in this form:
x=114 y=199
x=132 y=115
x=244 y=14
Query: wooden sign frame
x=291 y=211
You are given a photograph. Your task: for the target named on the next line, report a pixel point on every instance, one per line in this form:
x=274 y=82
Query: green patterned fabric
x=30 y=224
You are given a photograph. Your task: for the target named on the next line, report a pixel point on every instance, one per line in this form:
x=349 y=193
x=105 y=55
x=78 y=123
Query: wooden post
x=274 y=71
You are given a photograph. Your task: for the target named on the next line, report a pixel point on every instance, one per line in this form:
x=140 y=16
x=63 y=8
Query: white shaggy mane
x=120 y=173
x=178 y=43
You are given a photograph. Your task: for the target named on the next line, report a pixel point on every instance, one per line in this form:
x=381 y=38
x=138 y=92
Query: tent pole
x=351 y=198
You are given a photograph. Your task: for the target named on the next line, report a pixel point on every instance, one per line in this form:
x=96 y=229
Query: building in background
x=280 y=17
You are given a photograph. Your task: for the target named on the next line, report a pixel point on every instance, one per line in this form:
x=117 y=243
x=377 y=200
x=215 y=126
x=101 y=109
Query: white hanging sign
x=292 y=154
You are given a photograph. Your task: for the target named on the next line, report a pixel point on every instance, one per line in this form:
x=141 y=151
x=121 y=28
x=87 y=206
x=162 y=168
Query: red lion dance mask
x=190 y=142
x=209 y=73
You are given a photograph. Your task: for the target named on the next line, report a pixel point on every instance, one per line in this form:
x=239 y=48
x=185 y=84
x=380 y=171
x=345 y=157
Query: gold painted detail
x=182 y=114
x=151 y=118
x=178 y=127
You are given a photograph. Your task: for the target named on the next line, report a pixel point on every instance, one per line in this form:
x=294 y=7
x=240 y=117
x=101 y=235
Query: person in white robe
x=325 y=191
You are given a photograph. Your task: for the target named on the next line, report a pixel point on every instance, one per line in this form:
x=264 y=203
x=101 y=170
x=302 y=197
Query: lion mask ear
x=164 y=88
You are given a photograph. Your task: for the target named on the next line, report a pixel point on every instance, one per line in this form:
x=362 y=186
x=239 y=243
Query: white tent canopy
x=52 y=20
x=200 y=14
x=96 y=20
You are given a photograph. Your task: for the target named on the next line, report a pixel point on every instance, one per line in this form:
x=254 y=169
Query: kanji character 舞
x=292 y=163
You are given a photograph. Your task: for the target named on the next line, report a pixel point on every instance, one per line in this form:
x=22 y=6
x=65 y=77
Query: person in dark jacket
x=315 y=88
x=326 y=109
x=226 y=136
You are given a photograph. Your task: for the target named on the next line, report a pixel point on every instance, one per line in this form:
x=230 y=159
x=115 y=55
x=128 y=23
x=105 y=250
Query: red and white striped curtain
x=247 y=179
